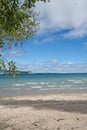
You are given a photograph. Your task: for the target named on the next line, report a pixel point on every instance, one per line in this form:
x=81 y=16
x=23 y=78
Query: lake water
x=42 y=84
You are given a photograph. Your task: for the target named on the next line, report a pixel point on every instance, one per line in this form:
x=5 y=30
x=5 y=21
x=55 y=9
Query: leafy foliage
x=17 y=19
x=8 y=67
x=17 y=22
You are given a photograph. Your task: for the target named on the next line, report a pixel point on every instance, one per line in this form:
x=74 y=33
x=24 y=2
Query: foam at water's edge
x=76 y=81
x=37 y=87
x=51 y=86
x=18 y=84
x=31 y=83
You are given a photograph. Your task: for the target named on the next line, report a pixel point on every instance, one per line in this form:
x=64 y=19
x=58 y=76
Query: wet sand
x=44 y=112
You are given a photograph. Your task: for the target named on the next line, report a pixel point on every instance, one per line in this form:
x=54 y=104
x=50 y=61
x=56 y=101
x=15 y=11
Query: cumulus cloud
x=61 y=15
x=54 y=66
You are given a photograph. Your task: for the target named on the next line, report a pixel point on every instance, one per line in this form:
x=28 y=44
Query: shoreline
x=49 y=96
x=37 y=92
x=45 y=94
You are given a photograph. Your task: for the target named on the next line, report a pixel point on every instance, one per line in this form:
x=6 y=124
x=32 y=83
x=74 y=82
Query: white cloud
x=64 y=14
x=54 y=61
x=75 y=33
x=55 y=67
x=70 y=63
x=24 y=67
x=46 y=39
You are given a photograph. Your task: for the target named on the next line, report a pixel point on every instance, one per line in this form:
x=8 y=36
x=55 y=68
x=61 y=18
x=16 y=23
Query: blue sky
x=61 y=42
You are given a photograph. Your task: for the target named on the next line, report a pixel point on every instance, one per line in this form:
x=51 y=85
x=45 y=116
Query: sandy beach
x=44 y=112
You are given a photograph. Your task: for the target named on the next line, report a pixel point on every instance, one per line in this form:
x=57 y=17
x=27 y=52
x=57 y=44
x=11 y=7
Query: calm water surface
x=42 y=84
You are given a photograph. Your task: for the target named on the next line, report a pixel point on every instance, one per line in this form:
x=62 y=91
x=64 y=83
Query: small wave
x=42 y=83
x=11 y=88
x=31 y=83
x=76 y=81
x=37 y=87
x=20 y=88
x=81 y=88
x=18 y=84
x=15 y=88
x=84 y=79
x=67 y=85
x=63 y=82
x=71 y=80
x=44 y=89
x=51 y=86
x=46 y=82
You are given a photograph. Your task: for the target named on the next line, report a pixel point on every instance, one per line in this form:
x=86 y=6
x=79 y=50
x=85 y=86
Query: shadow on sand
x=67 y=106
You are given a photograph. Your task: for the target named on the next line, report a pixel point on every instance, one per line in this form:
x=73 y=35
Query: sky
x=60 y=45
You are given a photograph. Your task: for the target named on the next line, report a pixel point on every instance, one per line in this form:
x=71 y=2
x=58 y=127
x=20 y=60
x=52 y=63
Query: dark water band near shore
x=12 y=93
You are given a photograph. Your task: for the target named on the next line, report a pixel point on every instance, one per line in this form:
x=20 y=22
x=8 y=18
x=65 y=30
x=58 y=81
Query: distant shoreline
x=26 y=72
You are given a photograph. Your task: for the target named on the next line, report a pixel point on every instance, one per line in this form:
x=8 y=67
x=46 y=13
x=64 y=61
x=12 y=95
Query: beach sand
x=44 y=112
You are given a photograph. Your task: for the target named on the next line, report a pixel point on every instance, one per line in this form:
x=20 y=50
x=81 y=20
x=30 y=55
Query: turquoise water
x=42 y=83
